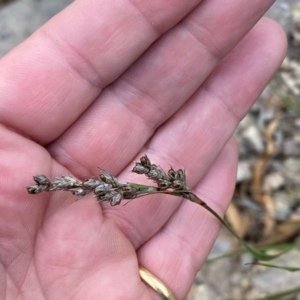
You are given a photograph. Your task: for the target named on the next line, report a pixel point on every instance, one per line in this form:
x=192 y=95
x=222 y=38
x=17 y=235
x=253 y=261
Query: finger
x=186 y=239
x=195 y=135
x=129 y=111
x=49 y=80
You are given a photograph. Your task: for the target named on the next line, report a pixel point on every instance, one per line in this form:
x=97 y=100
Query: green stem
x=147 y=190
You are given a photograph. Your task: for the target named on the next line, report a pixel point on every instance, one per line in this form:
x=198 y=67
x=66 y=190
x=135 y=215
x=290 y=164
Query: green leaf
x=291 y=269
x=283 y=248
x=280 y=295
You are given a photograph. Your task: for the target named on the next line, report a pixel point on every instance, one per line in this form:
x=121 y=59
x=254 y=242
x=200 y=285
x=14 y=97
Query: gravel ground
x=230 y=278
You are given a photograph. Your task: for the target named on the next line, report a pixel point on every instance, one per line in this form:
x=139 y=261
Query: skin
x=101 y=84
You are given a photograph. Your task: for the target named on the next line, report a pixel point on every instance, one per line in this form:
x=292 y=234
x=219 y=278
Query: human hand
x=98 y=86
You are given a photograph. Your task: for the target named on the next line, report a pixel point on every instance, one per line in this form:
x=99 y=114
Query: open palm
x=99 y=85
